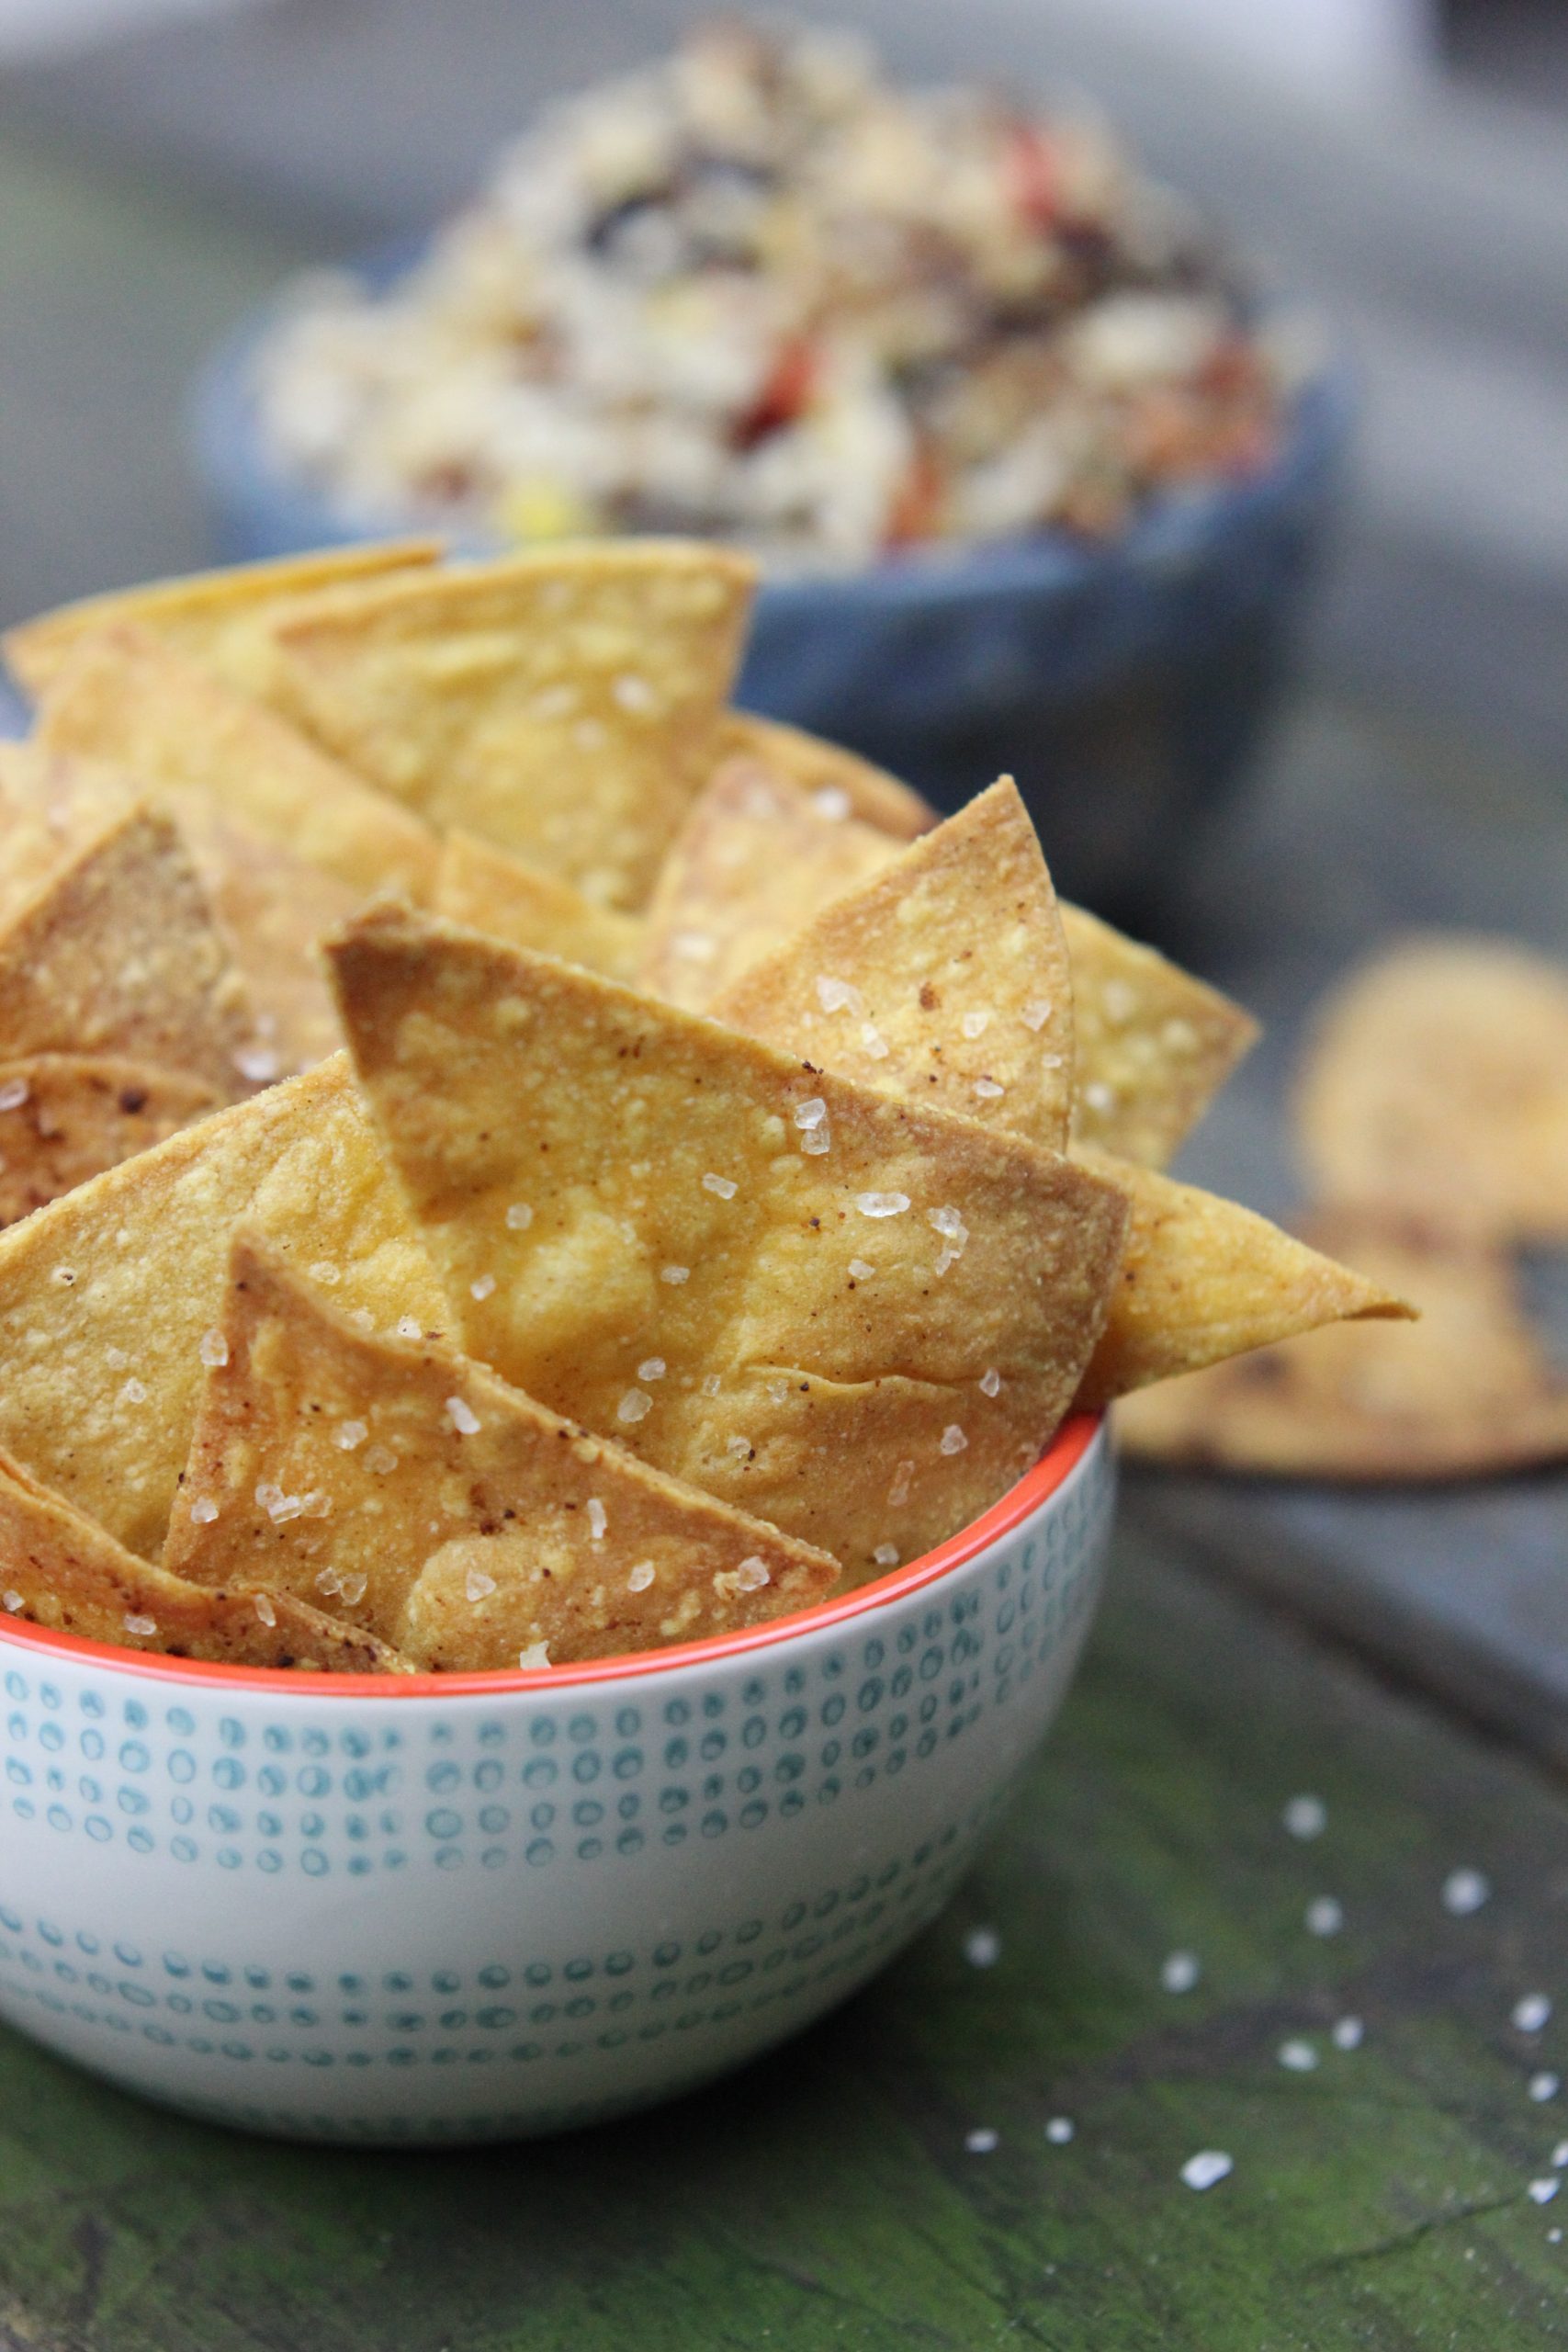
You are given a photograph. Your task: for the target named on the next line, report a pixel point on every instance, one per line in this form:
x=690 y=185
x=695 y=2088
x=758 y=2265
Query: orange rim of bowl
x=1049 y=1475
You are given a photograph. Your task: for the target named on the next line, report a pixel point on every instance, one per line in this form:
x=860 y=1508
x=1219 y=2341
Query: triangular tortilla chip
x=126 y=699
x=69 y=1116
x=59 y=1568
x=1202 y=1278
x=1469 y=1393
x=860 y=1321
x=106 y=1295
x=944 y=978
x=853 y=785
x=118 y=954
x=1436 y=1082
x=755 y=859
x=271 y=907
x=1154 y=1045
x=207 y=616
x=483 y=888
x=410 y=1492
x=564 y=702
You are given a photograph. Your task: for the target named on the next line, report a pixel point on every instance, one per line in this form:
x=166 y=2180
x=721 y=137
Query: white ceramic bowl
x=469 y=1906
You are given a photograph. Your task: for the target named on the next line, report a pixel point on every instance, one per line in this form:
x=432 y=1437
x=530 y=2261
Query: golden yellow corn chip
x=565 y=704
x=126 y=699
x=855 y=1319
x=1468 y=1393
x=118 y=954
x=59 y=1568
x=943 y=979
x=64 y=1118
x=106 y=1296
x=489 y=890
x=206 y=617
x=1202 y=1278
x=853 y=785
x=755 y=860
x=1154 y=1045
x=409 y=1492
x=1437 y=1082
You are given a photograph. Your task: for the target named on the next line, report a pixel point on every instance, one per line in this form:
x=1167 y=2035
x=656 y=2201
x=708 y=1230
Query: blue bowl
x=1126 y=687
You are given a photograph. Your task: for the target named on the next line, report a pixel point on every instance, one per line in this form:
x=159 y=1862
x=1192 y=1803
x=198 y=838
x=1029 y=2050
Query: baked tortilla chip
x=210 y=618
x=64 y=1118
x=854 y=787
x=1436 y=1083
x=105 y=1295
x=119 y=953
x=944 y=978
x=60 y=1569
x=483 y=888
x=127 y=700
x=1154 y=1045
x=1469 y=1393
x=409 y=1492
x=755 y=859
x=858 y=1320
x=1202 y=1278
x=565 y=704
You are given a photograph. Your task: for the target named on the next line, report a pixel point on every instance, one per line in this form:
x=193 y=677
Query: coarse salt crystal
x=478 y=1585
x=724 y=1186
x=283 y=1508
x=536 y=1655
x=14 y=1602
x=1207 y=2167
x=634 y=1404
x=651 y=1368
x=362 y=1318
x=898 y=1492
x=1543 y=2087
x=811 y=1114
x=860 y=1270
x=1465 y=1891
x=132 y=1393
x=1559 y=2154
x=815 y=1141
x=1059 y=2131
x=408 y=1328
x=988 y=1090
x=640 y=1578
x=981 y=2143
x=258 y=1064
x=1348 y=2033
x=265 y=1609
x=711 y=1384
x=203 y=1511
x=1305 y=1816
x=598 y=1519
x=830 y=801
x=992 y=1383
x=1298 y=2057
x=1098 y=1096
x=352 y=1589
x=145 y=1626
x=1531 y=2013
x=982 y=1947
x=633 y=693
x=1324 y=1917
x=872 y=1042
x=462 y=1415
x=381 y=1459
x=740 y=1448
x=213 y=1349
x=326 y=1273
x=694 y=947
x=881 y=1204
x=13 y=1094
x=483 y=1287
x=675 y=1274
x=64 y=1275
x=1179 y=1970
x=519 y=1217
x=887 y=1556
x=1542 y=2191
x=839 y=996
x=348 y=1435
x=952 y=1439
x=975 y=1025
x=1036 y=1014
x=752 y=1574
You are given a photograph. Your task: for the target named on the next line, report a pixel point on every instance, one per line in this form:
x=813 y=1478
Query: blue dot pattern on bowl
x=193 y=1785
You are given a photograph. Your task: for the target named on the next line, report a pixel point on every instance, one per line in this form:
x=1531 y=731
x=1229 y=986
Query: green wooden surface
x=827 y=2197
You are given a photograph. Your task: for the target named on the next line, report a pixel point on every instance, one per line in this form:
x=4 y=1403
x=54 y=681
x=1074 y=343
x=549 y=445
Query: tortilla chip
x=1436 y=1083
x=105 y=1295
x=60 y=1569
x=423 y=1500
x=69 y=1116
x=119 y=955
x=128 y=700
x=821 y=767
x=208 y=618
x=1154 y=1045
x=756 y=858
x=1202 y=1278
x=858 y=1320
x=480 y=886
x=270 y=905
x=564 y=703
x=1469 y=1393
x=944 y=978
